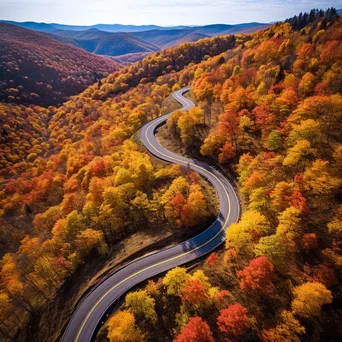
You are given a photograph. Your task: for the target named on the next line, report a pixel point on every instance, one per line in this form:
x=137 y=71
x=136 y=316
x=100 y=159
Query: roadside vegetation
x=269 y=109
x=74 y=186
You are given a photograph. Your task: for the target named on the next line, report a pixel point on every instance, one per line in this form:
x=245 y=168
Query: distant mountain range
x=105 y=43
x=44 y=27
x=172 y=37
x=118 y=40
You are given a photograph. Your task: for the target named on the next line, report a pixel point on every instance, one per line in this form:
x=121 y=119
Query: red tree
x=194 y=292
x=178 y=203
x=98 y=169
x=228 y=152
x=222 y=294
x=229 y=126
x=213 y=259
x=263 y=117
x=257 y=275
x=195 y=331
x=233 y=320
x=297 y=200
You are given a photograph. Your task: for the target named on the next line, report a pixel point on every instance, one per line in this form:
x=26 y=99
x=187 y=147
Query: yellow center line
x=167 y=260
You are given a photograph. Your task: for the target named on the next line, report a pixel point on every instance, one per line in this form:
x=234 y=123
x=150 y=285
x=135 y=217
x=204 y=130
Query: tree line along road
x=89 y=312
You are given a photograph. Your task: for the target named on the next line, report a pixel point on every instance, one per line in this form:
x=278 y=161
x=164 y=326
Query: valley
x=171 y=183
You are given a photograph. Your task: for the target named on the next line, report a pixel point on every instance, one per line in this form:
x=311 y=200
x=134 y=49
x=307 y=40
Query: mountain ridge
x=106 y=43
x=49 y=27
x=120 y=40
x=38 y=69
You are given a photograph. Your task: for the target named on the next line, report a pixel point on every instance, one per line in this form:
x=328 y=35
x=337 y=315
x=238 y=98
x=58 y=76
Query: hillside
x=107 y=43
x=271 y=115
x=268 y=112
x=221 y=29
x=118 y=40
x=83 y=168
x=190 y=38
x=96 y=40
x=130 y=58
x=168 y=38
x=23 y=137
x=35 y=69
x=43 y=27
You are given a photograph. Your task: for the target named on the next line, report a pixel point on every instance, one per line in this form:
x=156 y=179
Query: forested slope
x=80 y=185
x=271 y=111
x=268 y=107
x=107 y=43
x=36 y=69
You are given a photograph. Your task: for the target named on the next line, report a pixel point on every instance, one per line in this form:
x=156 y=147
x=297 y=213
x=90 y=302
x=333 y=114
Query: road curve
x=89 y=312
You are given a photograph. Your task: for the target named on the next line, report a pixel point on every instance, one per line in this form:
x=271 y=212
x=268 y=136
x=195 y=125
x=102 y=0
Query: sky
x=158 y=12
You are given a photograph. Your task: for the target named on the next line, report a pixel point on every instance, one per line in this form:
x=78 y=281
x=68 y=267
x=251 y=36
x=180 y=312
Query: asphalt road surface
x=89 y=312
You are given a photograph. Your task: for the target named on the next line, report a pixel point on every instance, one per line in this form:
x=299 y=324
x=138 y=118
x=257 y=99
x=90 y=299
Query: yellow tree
x=279 y=194
x=247 y=231
x=172 y=122
x=273 y=247
x=298 y=153
x=195 y=209
x=306 y=130
x=140 y=303
x=335 y=225
x=309 y=298
x=318 y=180
x=178 y=186
x=90 y=239
x=187 y=124
x=289 y=225
x=121 y=328
x=175 y=280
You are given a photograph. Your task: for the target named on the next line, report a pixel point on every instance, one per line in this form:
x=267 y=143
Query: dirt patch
x=173 y=145
x=190 y=95
x=170 y=105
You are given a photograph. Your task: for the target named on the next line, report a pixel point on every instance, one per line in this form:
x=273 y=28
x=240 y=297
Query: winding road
x=89 y=312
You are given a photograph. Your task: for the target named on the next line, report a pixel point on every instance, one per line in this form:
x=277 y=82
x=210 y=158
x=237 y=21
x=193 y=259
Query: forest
x=75 y=181
x=269 y=111
x=36 y=69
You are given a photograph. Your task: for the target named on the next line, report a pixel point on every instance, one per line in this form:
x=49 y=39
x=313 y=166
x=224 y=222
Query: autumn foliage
x=233 y=320
x=268 y=109
x=196 y=330
x=257 y=275
x=37 y=69
x=309 y=298
x=121 y=328
x=73 y=184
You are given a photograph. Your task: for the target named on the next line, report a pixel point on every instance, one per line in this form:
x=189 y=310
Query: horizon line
x=137 y=25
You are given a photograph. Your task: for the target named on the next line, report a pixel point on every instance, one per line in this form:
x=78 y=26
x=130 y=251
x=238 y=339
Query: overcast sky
x=159 y=12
